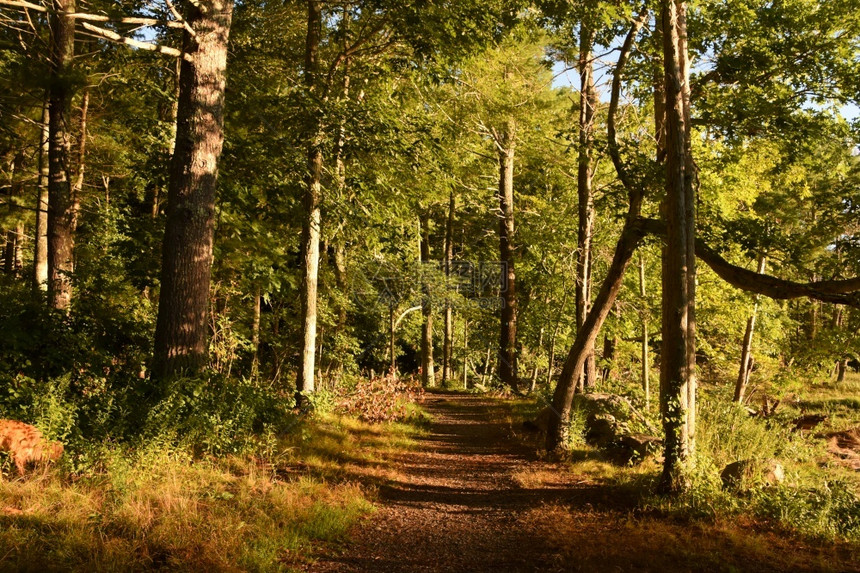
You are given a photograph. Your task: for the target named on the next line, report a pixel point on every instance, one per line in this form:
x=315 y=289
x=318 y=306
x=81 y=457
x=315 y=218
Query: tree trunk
x=841 y=367
x=508 y=330
x=391 y=350
x=646 y=363
x=465 y=354
x=60 y=214
x=678 y=359
x=181 y=327
x=255 y=331
x=585 y=175
x=312 y=216
x=40 y=245
x=486 y=371
x=15 y=237
x=533 y=383
x=610 y=345
x=558 y=432
x=746 y=349
x=428 y=374
x=448 y=335
x=78 y=186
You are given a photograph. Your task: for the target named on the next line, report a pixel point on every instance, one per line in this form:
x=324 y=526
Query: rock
x=743 y=474
x=637 y=447
x=600 y=429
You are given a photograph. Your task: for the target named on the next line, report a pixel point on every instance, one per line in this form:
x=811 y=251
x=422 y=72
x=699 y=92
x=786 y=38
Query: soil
x=475 y=497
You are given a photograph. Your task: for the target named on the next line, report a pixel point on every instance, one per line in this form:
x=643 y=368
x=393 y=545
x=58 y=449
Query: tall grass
x=157 y=507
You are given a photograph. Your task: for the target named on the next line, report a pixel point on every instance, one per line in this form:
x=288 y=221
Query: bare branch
x=130 y=20
x=114 y=37
x=23 y=4
x=179 y=19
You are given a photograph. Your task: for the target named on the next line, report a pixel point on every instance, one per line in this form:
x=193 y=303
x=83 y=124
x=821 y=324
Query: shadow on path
x=457 y=506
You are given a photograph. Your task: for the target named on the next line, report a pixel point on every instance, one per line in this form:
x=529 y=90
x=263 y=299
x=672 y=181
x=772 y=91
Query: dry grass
x=161 y=509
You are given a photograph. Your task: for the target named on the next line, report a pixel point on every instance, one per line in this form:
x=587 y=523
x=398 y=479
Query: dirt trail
x=472 y=499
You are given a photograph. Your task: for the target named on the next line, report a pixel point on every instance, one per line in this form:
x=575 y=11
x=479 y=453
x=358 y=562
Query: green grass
x=155 y=508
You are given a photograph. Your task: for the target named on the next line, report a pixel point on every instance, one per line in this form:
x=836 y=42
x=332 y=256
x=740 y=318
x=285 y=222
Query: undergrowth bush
x=217 y=415
x=808 y=502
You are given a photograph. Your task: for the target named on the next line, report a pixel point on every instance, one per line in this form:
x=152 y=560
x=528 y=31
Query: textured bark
x=181 y=327
x=465 y=354
x=392 y=368
x=746 y=348
x=60 y=213
x=312 y=218
x=678 y=361
x=585 y=176
x=535 y=370
x=448 y=334
x=40 y=245
x=508 y=326
x=428 y=374
x=659 y=88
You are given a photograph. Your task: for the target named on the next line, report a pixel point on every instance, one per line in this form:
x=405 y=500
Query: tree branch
x=635 y=193
x=114 y=37
x=845 y=292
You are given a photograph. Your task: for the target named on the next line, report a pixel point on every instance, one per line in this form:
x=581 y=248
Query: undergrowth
x=817 y=499
x=222 y=475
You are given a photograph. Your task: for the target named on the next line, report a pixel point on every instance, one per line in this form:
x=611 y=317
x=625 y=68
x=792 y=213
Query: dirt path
x=472 y=499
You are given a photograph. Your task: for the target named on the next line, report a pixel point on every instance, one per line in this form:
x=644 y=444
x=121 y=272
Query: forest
x=430 y=285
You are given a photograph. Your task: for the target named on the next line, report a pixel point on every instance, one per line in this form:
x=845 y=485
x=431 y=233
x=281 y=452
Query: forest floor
x=474 y=496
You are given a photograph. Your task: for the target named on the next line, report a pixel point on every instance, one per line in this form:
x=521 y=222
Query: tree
x=558 y=432
x=312 y=221
x=181 y=328
x=61 y=242
x=678 y=356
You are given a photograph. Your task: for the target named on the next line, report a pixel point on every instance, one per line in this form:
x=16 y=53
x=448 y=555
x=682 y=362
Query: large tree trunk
x=40 y=244
x=181 y=327
x=678 y=359
x=428 y=374
x=746 y=349
x=508 y=327
x=312 y=216
x=585 y=175
x=448 y=335
x=60 y=214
